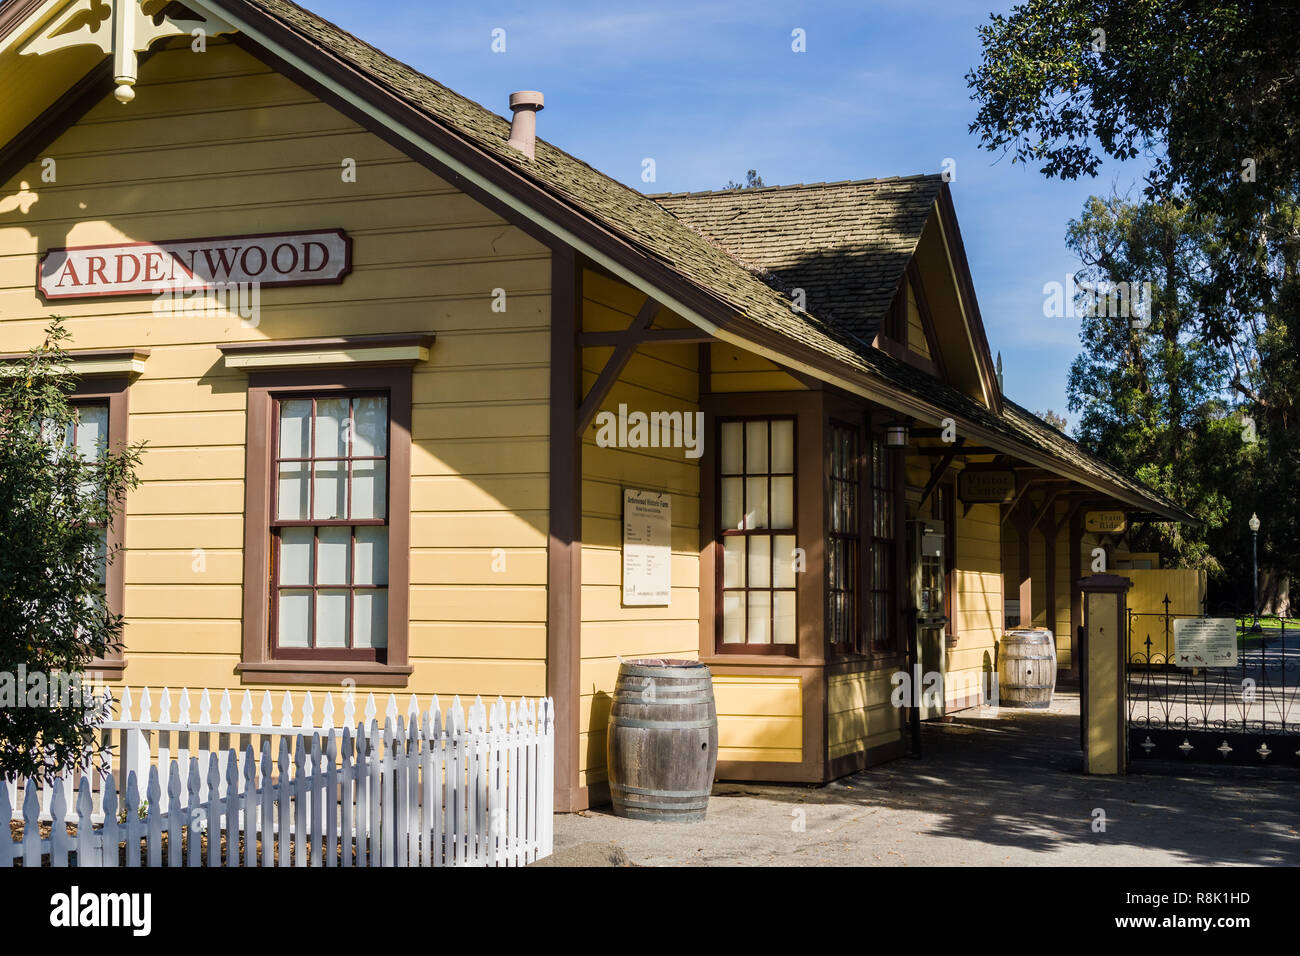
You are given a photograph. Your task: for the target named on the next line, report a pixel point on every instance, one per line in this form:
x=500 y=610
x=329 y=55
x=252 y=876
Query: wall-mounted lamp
x=896 y=435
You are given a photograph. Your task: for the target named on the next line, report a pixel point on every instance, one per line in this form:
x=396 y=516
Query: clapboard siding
x=221 y=144
x=760 y=718
x=859 y=713
x=735 y=370
x=979 y=599
x=916 y=338
x=658 y=378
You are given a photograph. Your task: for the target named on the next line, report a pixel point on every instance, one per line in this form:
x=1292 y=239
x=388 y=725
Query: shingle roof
x=845 y=244
x=701 y=259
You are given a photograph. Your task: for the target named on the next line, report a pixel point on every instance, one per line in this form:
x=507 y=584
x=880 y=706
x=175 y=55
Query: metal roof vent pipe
x=523 y=128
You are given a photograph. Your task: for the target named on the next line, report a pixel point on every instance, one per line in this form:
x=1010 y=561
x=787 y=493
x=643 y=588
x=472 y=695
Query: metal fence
x=1245 y=714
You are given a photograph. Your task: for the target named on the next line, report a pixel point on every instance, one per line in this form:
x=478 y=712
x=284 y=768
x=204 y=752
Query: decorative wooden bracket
x=122 y=28
x=626 y=345
x=937 y=471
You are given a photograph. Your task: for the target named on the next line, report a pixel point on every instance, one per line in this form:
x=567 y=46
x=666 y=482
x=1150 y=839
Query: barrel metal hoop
x=650 y=724
x=625 y=788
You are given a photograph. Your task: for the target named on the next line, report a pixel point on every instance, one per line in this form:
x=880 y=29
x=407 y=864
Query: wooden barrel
x=1027 y=668
x=662 y=745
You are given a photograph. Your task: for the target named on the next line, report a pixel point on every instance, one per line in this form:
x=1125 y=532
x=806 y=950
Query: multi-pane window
x=884 y=617
x=87 y=436
x=330 y=526
x=843 y=544
x=757 y=511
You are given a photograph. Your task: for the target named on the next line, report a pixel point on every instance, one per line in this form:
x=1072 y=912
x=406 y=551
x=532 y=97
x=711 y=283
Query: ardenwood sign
x=143 y=268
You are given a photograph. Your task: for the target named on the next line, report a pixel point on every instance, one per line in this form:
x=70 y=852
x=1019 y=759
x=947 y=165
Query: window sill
x=324 y=672
x=759 y=660
x=109 y=670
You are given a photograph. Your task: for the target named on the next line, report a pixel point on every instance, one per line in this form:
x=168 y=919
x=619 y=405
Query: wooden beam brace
x=1024 y=484
x=937 y=471
x=590 y=340
x=945 y=451
x=629 y=339
x=1045 y=509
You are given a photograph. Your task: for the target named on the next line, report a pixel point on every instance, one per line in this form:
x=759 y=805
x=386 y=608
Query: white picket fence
x=470 y=789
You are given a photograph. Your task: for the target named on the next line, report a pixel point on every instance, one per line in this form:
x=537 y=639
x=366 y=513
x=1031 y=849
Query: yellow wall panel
x=426 y=257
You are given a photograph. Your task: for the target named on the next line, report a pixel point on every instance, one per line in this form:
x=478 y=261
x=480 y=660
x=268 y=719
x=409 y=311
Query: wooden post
x=1104 y=711
x=1049 y=529
x=564 y=543
x=1076 y=595
x=1026 y=579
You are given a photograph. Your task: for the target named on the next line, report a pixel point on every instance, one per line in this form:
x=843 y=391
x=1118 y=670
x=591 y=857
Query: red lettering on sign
x=69 y=272
x=152 y=261
x=94 y=269
x=243 y=261
x=135 y=263
x=275 y=258
x=306 y=256
x=227 y=263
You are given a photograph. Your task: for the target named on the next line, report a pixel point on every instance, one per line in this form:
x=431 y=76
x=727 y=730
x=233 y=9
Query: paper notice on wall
x=647 y=547
x=1205 y=642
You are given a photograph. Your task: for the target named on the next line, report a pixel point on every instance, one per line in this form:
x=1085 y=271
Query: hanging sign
x=1105 y=522
x=1205 y=642
x=986 y=487
x=647 y=548
x=145 y=268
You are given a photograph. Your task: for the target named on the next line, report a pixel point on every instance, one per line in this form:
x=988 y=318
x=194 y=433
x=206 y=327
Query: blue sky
x=710 y=90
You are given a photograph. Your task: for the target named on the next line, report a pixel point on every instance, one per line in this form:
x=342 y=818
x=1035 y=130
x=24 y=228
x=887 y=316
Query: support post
x=1076 y=595
x=1049 y=529
x=564 y=540
x=1103 y=704
x=1026 y=579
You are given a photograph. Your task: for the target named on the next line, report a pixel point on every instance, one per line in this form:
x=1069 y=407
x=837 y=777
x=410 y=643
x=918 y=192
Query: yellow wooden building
x=402 y=368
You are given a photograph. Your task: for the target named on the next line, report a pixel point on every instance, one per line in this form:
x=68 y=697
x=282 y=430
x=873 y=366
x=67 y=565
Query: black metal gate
x=1247 y=714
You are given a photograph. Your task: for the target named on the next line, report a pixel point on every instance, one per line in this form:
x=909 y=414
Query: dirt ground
x=993 y=787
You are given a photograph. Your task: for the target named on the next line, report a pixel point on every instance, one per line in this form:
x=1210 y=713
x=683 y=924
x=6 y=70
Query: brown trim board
x=564 y=541
x=114 y=390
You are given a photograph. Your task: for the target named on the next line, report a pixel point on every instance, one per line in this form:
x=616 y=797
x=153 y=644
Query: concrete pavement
x=993 y=787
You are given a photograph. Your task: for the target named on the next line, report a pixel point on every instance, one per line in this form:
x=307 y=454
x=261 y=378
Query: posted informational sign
x=1105 y=522
x=1205 y=642
x=145 y=268
x=986 y=487
x=647 y=547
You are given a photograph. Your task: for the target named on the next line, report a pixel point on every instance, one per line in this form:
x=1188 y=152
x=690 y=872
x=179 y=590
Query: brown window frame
x=770 y=649
x=944 y=508
x=260 y=662
x=875 y=643
x=853 y=642
x=111 y=391
x=378 y=655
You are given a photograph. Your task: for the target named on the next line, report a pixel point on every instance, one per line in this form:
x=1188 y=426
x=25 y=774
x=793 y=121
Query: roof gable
x=845 y=244
x=859 y=251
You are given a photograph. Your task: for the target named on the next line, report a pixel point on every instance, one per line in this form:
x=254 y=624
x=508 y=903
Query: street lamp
x=1254 y=561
